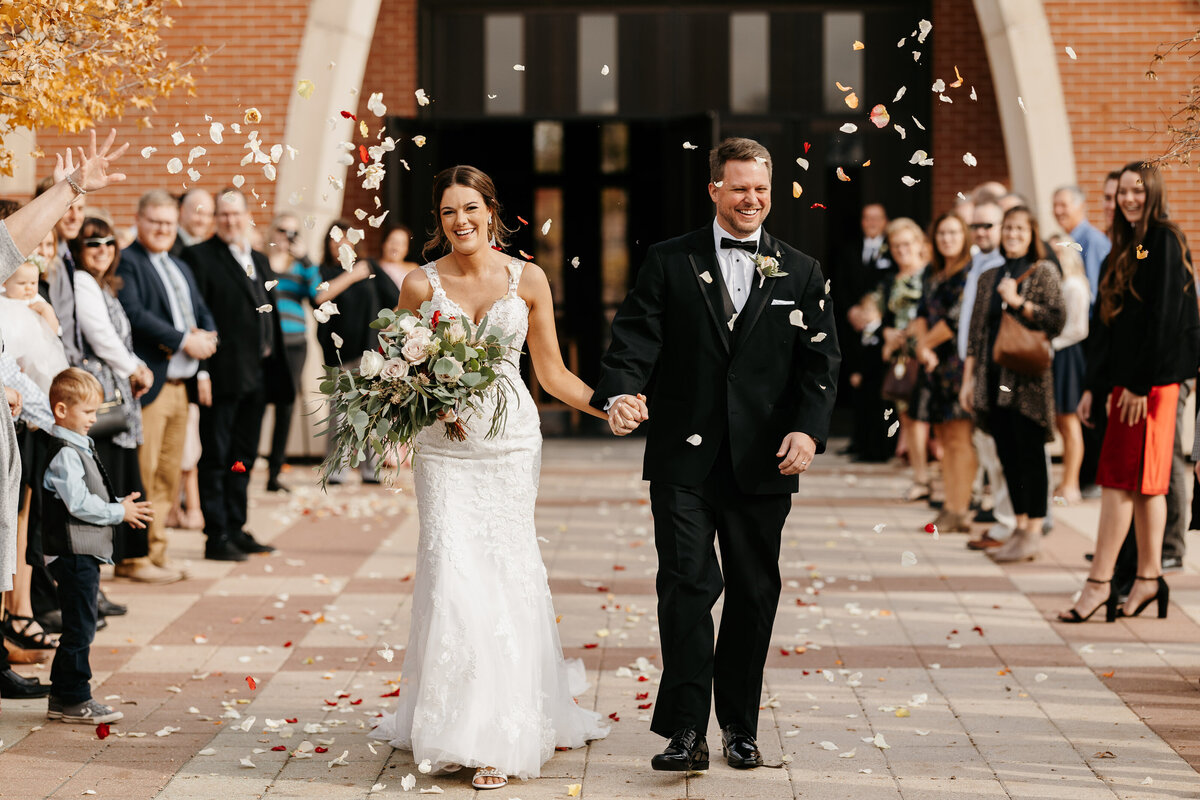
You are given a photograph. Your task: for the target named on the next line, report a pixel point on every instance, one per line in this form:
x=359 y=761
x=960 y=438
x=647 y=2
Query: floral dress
x=937 y=394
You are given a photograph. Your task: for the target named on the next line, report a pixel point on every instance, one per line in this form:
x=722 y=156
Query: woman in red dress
x=1147 y=328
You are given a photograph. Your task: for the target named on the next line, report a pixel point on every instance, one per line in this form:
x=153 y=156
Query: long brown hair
x=1037 y=250
x=96 y=228
x=472 y=178
x=941 y=267
x=1127 y=236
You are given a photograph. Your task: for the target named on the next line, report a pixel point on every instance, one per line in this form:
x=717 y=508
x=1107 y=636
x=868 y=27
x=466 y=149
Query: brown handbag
x=900 y=380
x=1023 y=350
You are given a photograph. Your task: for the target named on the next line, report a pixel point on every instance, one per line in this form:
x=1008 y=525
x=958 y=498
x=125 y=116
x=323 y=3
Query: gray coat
x=10 y=459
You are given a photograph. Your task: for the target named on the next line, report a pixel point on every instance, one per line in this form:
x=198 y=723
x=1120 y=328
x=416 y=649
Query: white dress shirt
x=872 y=247
x=181 y=366
x=737 y=266
x=243 y=257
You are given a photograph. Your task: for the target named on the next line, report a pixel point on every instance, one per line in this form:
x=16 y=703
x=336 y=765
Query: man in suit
x=173 y=332
x=195 y=220
x=738 y=329
x=248 y=371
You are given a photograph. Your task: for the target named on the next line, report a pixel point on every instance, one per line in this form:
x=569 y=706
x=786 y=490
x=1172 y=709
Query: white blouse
x=91 y=314
x=1077 y=297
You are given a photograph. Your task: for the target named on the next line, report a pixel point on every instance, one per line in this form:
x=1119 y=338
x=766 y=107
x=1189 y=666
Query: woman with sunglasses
x=108 y=354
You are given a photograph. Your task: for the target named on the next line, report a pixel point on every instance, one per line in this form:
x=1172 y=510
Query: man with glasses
x=173 y=332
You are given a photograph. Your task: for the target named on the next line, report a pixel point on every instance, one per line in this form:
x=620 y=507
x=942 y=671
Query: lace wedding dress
x=484 y=681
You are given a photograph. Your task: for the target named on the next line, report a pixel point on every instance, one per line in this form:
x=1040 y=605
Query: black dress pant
x=229 y=432
x=78 y=586
x=747 y=529
x=1021 y=446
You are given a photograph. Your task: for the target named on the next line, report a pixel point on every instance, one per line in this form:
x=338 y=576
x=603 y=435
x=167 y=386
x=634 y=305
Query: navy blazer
x=146 y=303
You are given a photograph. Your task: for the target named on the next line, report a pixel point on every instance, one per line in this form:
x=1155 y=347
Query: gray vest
x=83 y=538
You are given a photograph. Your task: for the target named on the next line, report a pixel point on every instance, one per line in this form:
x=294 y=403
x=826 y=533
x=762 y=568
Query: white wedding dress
x=484 y=681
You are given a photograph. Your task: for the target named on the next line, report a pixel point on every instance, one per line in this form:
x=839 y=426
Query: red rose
x=436 y=316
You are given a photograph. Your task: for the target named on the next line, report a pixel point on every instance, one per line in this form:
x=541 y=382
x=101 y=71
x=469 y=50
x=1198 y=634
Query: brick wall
x=391 y=69
x=966 y=125
x=1108 y=95
x=255 y=67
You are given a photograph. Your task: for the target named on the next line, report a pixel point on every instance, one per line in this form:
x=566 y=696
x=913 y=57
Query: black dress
x=358 y=306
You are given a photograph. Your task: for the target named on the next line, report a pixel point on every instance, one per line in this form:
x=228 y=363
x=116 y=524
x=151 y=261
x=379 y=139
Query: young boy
x=78 y=515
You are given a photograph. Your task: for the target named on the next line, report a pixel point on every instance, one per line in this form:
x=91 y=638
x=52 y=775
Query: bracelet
x=75 y=187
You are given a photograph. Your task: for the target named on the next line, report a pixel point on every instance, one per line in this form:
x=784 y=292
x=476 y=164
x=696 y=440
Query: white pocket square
x=783 y=302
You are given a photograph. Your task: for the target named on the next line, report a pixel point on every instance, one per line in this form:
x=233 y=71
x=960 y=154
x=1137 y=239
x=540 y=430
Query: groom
x=738 y=330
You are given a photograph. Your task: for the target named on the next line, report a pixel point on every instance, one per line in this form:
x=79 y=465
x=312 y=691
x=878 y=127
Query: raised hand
x=626 y=413
x=92 y=173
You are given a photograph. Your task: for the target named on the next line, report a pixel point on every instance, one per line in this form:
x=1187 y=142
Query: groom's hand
x=797 y=452
x=626 y=413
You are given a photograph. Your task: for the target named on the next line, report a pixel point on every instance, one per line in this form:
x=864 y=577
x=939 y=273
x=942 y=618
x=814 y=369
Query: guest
x=248 y=371
x=297 y=280
x=60 y=274
x=936 y=327
x=1069 y=212
x=195 y=220
x=1110 y=200
x=1016 y=409
x=30 y=327
x=77 y=509
x=394 y=253
x=1070 y=366
x=898 y=300
x=1147 y=342
x=108 y=355
x=360 y=293
x=172 y=332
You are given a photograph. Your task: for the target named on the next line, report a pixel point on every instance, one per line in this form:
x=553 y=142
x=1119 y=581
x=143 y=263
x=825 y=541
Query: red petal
x=816 y=205
x=601 y=588
x=783 y=651
x=357 y=702
x=392 y=694
x=348 y=115
x=320 y=749
x=522 y=219
x=613 y=716
x=331 y=702
x=642 y=679
x=618 y=568
x=591 y=645
x=644 y=706
x=930 y=527
x=362 y=152
x=643 y=695
x=293 y=720
x=250 y=682
x=807 y=146
x=343 y=694
x=102 y=730
x=288 y=643
x=279 y=748
x=238 y=467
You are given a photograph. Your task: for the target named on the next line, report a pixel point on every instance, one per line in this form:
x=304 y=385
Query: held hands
x=137 y=514
x=626 y=413
x=200 y=344
x=797 y=452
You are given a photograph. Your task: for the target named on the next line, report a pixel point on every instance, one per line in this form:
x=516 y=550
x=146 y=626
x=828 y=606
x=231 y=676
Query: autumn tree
x=69 y=64
x=1182 y=124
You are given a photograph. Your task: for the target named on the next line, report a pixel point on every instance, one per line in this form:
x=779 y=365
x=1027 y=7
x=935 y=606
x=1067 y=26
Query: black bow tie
x=750 y=246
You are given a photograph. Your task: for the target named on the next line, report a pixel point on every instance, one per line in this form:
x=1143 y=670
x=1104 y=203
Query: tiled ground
x=903 y=666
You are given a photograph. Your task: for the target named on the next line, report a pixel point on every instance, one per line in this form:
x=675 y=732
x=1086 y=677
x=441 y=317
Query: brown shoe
x=171 y=566
x=951 y=522
x=144 y=572
x=985 y=542
x=1023 y=546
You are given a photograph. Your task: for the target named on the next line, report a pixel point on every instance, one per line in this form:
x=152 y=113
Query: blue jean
x=78 y=580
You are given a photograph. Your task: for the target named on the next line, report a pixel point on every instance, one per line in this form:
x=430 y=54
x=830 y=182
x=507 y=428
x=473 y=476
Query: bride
x=485 y=684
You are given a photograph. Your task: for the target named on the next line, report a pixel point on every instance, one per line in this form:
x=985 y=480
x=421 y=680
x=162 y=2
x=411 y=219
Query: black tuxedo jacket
x=751 y=385
x=146 y=303
x=237 y=368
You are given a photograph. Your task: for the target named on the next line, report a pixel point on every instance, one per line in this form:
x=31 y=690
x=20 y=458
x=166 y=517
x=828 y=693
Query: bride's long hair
x=472 y=178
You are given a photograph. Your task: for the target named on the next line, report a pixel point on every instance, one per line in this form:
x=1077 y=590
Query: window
x=597 y=49
x=842 y=62
x=504 y=48
x=547 y=147
x=749 y=60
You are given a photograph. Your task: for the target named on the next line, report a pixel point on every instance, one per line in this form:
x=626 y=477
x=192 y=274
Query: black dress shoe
x=107 y=608
x=687 y=750
x=248 y=544
x=18 y=687
x=273 y=485
x=223 y=550
x=739 y=747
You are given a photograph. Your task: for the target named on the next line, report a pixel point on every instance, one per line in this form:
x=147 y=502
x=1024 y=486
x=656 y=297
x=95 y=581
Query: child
x=78 y=512
x=22 y=285
x=30 y=328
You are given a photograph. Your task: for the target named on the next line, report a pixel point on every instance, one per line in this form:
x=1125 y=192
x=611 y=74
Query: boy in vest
x=79 y=512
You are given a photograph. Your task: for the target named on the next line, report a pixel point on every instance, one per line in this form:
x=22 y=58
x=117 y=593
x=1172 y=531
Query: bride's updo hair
x=472 y=178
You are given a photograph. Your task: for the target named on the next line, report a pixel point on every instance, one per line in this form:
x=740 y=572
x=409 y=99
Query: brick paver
x=903 y=665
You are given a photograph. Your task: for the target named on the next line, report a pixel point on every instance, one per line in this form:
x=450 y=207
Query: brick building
x=591 y=132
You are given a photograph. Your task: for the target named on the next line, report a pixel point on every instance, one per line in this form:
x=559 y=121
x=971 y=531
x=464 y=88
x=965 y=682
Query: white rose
x=421 y=336
x=447 y=370
x=413 y=351
x=394 y=369
x=407 y=324
x=370 y=365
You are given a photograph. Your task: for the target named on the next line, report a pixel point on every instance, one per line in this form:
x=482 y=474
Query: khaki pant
x=164 y=432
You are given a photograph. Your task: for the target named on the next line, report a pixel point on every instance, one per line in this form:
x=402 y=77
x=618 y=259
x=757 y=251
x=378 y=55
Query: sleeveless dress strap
x=515 y=268
x=431 y=271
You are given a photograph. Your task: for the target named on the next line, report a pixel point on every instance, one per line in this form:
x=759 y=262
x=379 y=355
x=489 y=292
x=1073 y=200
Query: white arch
x=1037 y=139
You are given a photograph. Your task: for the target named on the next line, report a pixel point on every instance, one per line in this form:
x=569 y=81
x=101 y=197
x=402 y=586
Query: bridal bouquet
x=429 y=369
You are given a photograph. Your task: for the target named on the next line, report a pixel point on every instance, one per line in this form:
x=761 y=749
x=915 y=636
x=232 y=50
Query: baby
x=23 y=286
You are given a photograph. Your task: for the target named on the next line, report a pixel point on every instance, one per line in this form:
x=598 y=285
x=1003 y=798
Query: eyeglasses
x=107 y=241
x=982 y=226
x=289 y=234
x=161 y=223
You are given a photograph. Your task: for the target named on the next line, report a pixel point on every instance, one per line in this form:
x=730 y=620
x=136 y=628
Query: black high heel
x=1109 y=604
x=1163 y=596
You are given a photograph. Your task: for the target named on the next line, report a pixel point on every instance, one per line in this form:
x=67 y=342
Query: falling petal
x=969 y=160
x=1071 y=53
x=174 y=166
x=939 y=86
x=695 y=439
x=252 y=116
x=925 y=27
x=796 y=189
x=689 y=146
x=1021 y=103
x=908 y=559
x=851 y=100
x=895 y=426
x=797 y=318
x=858 y=45
x=422 y=99
x=706 y=277
x=545 y=227
x=1142 y=252
x=518 y=67
x=973 y=95
x=803 y=162
x=337 y=343
x=842 y=176
x=918 y=123
x=879 y=116
x=849 y=127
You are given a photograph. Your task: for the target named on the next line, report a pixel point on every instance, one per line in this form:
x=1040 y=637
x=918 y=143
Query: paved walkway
x=903 y=666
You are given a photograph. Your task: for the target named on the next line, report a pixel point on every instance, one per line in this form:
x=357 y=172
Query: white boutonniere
x=767 y=267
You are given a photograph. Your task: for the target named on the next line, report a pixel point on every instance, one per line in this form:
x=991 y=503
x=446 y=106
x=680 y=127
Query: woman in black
x=1016 y=409
x=359 y=293
x=1145 y=343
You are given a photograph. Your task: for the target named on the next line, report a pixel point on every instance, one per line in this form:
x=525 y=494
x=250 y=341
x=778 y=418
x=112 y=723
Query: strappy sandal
x=21 y=637
x=488 y=772
x=1109 y=604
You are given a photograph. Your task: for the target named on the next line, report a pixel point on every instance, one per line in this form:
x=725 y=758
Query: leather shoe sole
x=677 y=765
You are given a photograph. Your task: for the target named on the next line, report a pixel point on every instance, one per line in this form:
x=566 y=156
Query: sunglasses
x=99 y=242
x=289 y=234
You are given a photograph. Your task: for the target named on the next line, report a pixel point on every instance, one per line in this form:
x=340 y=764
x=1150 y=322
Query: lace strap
x=431 y=271
x=515 y=268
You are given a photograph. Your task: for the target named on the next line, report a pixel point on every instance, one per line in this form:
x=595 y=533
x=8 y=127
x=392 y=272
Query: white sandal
x=489 y=772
